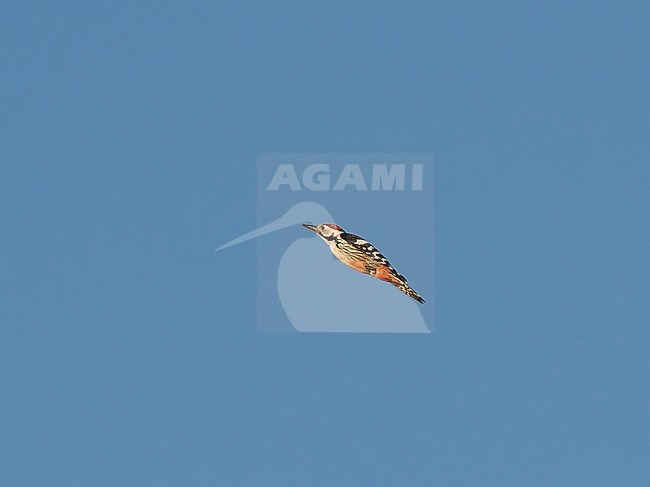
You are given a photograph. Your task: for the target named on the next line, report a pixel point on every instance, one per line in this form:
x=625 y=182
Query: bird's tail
x=410 y=292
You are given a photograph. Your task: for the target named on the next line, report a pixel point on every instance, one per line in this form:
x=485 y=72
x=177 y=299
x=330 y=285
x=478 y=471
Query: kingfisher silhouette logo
x=336 y=236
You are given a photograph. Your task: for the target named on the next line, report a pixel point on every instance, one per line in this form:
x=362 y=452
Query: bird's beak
x=313 y=228
x=305 y=210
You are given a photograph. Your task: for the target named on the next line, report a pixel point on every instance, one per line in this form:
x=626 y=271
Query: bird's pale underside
x=362 y=256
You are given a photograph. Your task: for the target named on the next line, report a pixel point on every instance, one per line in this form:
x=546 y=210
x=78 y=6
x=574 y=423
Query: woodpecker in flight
x=359 y=254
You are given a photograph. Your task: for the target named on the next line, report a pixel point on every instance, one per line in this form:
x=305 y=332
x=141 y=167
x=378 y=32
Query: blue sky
x=128 y=348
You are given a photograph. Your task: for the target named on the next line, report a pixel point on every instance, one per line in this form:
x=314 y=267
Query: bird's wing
x=370 y=249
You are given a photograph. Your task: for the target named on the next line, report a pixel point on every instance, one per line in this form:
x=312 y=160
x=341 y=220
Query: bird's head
x=326 y=231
